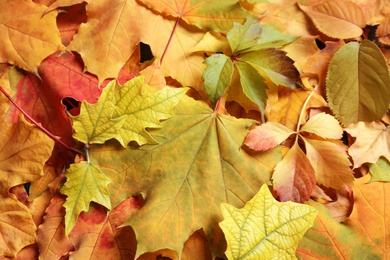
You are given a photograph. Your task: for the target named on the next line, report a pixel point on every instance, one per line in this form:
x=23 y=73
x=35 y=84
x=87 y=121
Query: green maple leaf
x=123 y=113
x=198 y=164
x=265 y=228
x=85 y=183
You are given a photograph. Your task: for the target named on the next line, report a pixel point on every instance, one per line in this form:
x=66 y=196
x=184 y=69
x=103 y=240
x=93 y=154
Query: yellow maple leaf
x=265 y=228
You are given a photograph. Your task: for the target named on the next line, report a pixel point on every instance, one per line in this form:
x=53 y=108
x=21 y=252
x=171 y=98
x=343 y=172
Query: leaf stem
x=303 y=111
x=170 y=39
x=36 y=123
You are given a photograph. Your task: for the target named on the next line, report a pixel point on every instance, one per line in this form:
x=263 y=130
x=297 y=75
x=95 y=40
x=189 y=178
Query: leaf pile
x=194 y=129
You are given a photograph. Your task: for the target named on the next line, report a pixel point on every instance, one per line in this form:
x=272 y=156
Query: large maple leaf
x=28 y=36
x=198 y=164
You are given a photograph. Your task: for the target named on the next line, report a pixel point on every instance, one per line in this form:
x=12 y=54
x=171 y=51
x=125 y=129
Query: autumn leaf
x=267 y=136
x=211 y=14
x=28 y=36
x=294 y=178
x=265 y=228
x=85 y=183
x=123 y=113
x=355 y=91
x=380 y=171
x=372 y=141
x=337 y=19
x=51 y=238
x=17 y=229
x=198 y=151
x=323 y=125
x=24 y=151
x=330 y=162
x=362 y=236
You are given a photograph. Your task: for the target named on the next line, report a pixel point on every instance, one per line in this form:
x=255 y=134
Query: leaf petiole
x=303 y=111
x=47 y=132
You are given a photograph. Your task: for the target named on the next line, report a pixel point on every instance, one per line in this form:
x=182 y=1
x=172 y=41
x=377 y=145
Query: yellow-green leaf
x=242 y=37
x=265 y=228
x=323 y=125
x=96 y=124
x=123 y=113
x=380 y=171
x=85 y=182
x=357 y=83
x=217 y=75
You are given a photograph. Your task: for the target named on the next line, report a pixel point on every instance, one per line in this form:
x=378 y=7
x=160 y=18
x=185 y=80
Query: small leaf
x=323 y=125
x=274 y=64
x=265 y=228
x=217 y=75
x=272 y=38
x=85 y=183
x=253 y=84
x=330 y=162
x=244 y=36
x=294 y=177
x=357 y=83
x=123 y=113
x=337 y=18
x=372 y=141
x=380 y=171
x=267 y=136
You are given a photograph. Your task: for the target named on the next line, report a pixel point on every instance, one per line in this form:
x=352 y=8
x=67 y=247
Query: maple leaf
x=361 y=236
x=337 y=19
x=355 y=91
x=24 y=151
x=210 y=14
x=372 y=141
x=17 y=228
x=24 y=22
x=265 y=228
x=85 y=183
x=123 y=113
x=197 y=165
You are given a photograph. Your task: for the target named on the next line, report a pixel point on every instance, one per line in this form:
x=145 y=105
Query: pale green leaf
x=244 y=36
x=95 y=123
x=380 y=171
x=124 y=113
x=274 y=64
x=85 y=182
x=143 y=107
x=253 y=84
x=217 y=75
x=198 y=164
x=271 y=38
x=265 y=228
x=357 y=83
x=323 y=125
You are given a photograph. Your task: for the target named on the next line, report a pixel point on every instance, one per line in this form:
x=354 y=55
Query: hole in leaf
x=146 y=52
x=320 y=44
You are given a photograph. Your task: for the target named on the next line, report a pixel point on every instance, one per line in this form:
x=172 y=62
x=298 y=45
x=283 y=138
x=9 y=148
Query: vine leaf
x=355 y=90
x=265 y=228
x=85 y=183
x=179 y=190
x=123 y=113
